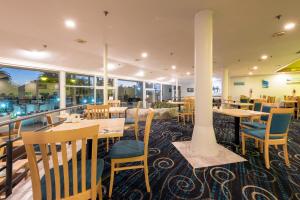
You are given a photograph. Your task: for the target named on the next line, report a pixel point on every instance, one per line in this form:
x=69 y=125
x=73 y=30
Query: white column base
x=204 y=141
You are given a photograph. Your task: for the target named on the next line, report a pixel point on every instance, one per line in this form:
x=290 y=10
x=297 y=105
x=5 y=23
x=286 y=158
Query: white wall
x=184 y=85
x=277 y=86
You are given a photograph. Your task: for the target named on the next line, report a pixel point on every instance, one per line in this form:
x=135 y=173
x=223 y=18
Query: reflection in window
x=24 y=92
x=130 y=91
x=111 y=94
x=79 y=95
x=79 y=80
x=110 y=82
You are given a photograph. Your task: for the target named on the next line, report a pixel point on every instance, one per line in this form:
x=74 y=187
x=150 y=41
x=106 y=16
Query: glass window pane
x=130 y=91
x=24 y=91
x=80 y=80
x=167 y=92
x=111 y=94
x=99 y=81
x=110 y=82
x=99 y=96
x=79 y=95
x=149 y=85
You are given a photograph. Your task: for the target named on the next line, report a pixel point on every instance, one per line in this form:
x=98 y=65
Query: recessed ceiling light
x=34 y=54
x=70 y=23
x=254 y=67
x=173 y=66
x=144 y=55
x=289 y=26
x=264 y=57
x=250 y=73
x=188 y=73
x=140 y=74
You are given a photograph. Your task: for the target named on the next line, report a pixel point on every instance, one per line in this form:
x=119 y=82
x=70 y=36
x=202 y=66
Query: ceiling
x=242 y=33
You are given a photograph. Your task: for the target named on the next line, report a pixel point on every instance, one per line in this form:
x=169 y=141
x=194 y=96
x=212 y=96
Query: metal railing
x=10 y=181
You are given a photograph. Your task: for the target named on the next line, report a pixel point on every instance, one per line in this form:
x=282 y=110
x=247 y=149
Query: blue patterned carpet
x=171 y=176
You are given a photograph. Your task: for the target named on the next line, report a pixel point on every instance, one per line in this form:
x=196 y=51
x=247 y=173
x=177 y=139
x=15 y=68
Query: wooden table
x=238 y=114
x=178 y=103
x=239 y=105
x=109 y=128
x=118 y=111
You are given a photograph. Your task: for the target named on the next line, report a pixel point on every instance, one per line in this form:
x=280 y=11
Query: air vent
x=81 y=41
x=278 y=34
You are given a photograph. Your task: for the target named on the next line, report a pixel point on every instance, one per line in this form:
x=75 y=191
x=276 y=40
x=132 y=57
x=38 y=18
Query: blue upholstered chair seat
x=254 y=125
x=127 y=149
x=100 y=166
x=129 y=121
x=259 y=133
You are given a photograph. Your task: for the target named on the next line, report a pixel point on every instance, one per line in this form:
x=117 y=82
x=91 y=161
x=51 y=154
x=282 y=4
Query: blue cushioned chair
x=74 y=179
x=275 y=133
x=134 y=122
x=262 y=122
x=129 y=151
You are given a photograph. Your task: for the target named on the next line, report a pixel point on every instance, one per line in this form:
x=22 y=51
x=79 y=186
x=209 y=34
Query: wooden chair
x=81 y=178
x=97 y=112
x=271 y=99
x=49 y=120
x=187 y=112
x=275 y=133
x=130 y=151
x=134 y=122
x=114 y=103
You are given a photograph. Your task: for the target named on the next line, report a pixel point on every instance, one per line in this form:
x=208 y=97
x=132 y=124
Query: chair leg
x=107 y=144
x=99 y=190
x=286 y=155
x=183 y=119
x=112 y=176
x=136 y=132
x=146 y=175
x=261 y=145
x=243 y=144
x=256 y=143
x=178 y=118
x=267 y=160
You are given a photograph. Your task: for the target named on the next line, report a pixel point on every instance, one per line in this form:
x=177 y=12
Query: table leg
x=237 y=121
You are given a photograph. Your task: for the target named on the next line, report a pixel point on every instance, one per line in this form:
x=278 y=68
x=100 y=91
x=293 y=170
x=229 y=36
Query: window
x=79 y=80
x=79 y=89
x=157 y=90
x=99 y=96
x=79 y=95
x=24 y=92
x=130 y=91
x=167 y=92
x=99 y=81
x=149 y=85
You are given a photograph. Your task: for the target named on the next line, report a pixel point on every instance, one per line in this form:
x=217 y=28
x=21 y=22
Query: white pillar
x=203 y=140
x=161 y=93
x=95 y=86
x=176 y=91
x=62 y=89
x=225 y=84
x=105 y=77
x=144 y=94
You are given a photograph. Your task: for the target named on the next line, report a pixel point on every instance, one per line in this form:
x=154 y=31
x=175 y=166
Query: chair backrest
x=271 y=99
x=49 y=120
x=147 y=130
x=70 y=180
x=17 y=128
x=257 y=106
x=97 y=112
x=279 y=121
x=267 y=109
x=138 y=105
x=188 y=105
x=114 y=103
x=244 y=100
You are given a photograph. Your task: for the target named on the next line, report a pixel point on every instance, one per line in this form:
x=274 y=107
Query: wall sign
x=265 y=84
x=190 y=89
x=238 y=83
